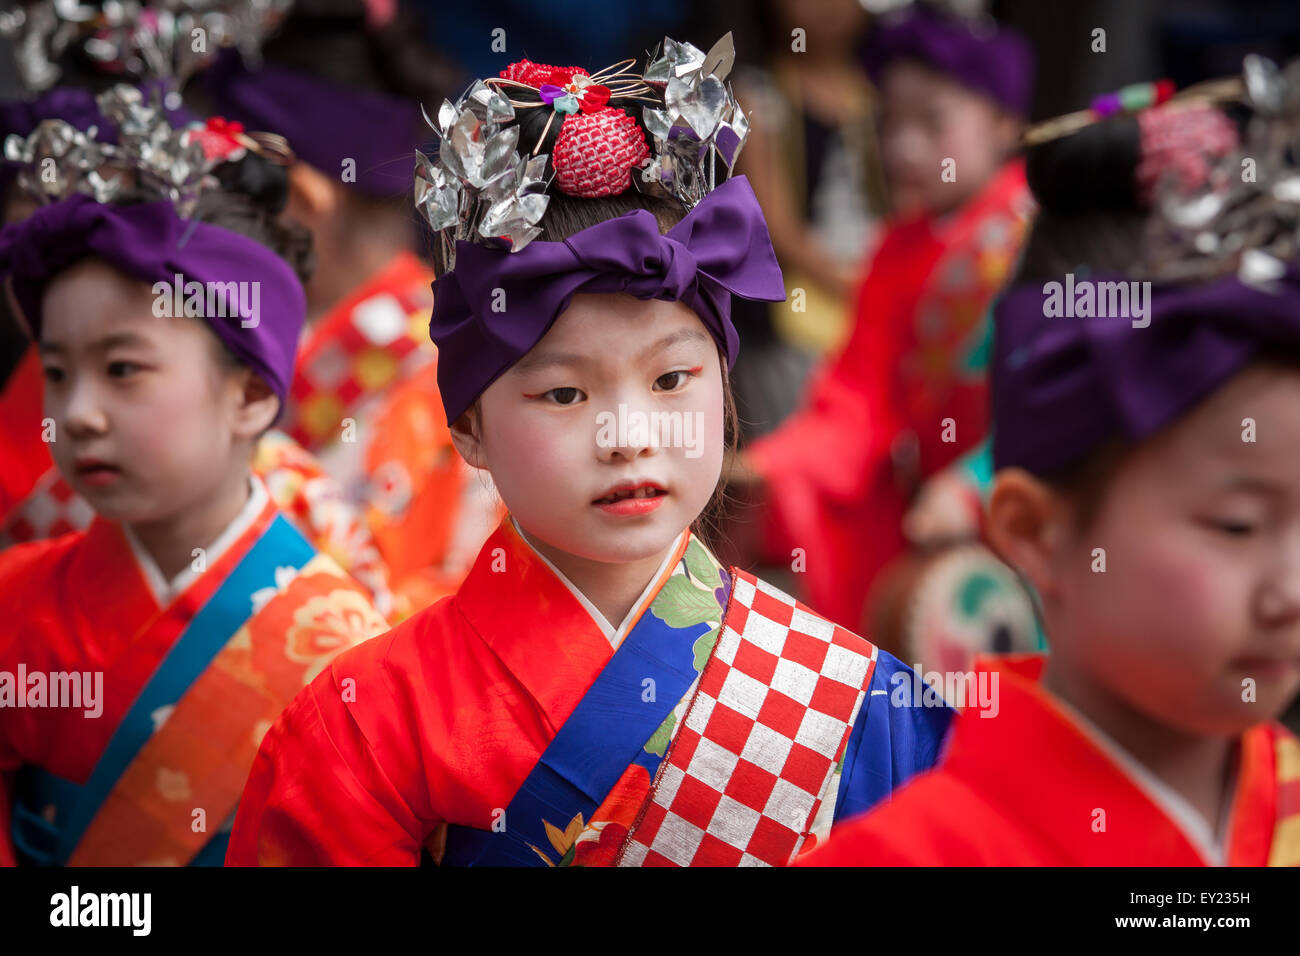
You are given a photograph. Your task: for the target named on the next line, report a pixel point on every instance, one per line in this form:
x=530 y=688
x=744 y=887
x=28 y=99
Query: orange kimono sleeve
x=286 y=818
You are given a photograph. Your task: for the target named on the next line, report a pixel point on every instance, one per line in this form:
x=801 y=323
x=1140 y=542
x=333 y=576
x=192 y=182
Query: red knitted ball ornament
x=595 y=153
x=538 y=74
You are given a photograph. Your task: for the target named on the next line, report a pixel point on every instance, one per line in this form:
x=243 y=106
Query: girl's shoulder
x=36 y=568
x=429 y=661
x=36 y=580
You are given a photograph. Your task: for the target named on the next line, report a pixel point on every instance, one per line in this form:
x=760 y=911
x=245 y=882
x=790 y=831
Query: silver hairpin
x=1246 y=216
x=139 y=39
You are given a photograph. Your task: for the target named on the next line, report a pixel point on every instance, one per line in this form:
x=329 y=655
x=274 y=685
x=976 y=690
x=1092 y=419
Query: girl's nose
x=1277 y=602
x=625 y=432
x=81 y=414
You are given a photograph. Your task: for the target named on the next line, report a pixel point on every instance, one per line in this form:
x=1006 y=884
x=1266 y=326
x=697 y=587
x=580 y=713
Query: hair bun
x=1091 y=170
x=265 y=183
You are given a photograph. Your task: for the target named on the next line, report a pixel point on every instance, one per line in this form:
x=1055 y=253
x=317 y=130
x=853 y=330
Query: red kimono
x=1032 y=787
x=132 y=707
x=365 y=400
x=512 y=725
x=876 y=420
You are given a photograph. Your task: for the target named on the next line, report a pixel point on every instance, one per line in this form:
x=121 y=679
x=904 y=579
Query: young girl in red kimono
x=600 y=689
x=1147 y=487
x=35 y=500
x=341 y=80
x=143 y=658
x=906 y=396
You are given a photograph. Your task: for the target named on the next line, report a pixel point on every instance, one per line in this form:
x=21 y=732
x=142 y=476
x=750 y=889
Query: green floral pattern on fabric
x=695 y=594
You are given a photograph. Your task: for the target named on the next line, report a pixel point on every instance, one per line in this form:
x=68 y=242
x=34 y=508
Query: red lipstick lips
x=631 y=498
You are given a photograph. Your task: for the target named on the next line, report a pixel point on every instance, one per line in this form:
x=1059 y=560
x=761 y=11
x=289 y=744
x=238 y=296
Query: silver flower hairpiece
x=480 y=187
x=1246 y=216
x=140 y=39
x=700 y=120
x=151 y=156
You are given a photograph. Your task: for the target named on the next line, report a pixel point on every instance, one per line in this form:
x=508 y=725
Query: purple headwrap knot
x=150 y=241
x=1064 y=387
x=496 y=305
x=326 y=125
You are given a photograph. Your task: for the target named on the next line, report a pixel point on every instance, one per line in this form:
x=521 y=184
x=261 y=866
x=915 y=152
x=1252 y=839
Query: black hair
x=1090 y=214
x=253 y=193
x=332 y=41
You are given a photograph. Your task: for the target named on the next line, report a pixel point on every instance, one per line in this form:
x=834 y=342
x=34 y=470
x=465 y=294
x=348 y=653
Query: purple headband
x=721 y=248
x=994 y=61
x=1063 y=387
x=325 y=124
x=151 y=242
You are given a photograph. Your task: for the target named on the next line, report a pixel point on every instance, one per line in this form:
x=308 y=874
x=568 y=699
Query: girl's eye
x=568 y=395
x=53 y=375
x=671 y=381
x=122 y=369
x=1235 y=529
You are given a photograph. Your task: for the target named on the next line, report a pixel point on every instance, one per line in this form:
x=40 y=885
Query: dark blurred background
x=1185 y=40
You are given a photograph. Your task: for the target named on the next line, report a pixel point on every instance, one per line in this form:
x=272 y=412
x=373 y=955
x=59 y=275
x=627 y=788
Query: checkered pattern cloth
x=51 y=509
x=759 y=743
x=345 y=360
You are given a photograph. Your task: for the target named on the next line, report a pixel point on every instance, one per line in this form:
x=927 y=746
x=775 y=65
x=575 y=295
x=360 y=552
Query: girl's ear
x=312 y=198
x=1009 y=127
x=256 y=406
x=1029 y=525
x=467 y=438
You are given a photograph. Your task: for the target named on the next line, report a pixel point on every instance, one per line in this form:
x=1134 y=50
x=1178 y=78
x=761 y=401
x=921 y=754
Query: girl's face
x=928 y=119
x=606 y=440
x=1196 y=619
x=147 y=424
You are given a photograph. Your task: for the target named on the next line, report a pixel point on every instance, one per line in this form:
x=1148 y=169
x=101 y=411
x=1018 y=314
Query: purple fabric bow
x=151 y=242
x=1063 y=387
x=324 y=124
x=721 y=248
x=997 y=61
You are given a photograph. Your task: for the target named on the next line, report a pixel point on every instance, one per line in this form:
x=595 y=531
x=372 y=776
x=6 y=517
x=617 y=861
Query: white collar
x=1212 y=845
x=164 y=591
x=612 y=634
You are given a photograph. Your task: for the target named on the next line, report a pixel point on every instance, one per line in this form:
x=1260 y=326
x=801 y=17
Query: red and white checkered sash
x=756 y=752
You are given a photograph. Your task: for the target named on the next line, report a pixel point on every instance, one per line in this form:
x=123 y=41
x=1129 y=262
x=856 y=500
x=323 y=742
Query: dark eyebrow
x=535 y=361
x=1250 y=484
x=102 y=345
x=681 y=335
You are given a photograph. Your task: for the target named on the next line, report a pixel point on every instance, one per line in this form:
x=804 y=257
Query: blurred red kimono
x=1025 y=788
x=875 y=422
x=365 y=400
x=190 y=674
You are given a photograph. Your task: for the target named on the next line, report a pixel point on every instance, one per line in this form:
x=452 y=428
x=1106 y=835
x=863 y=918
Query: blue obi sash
x=42 y=843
